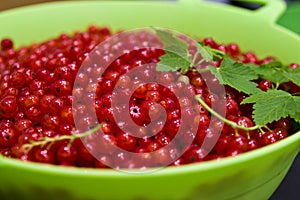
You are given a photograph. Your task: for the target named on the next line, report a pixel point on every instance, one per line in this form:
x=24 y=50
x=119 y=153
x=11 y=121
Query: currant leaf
x=172 y=62
x=236 y=75
x=295 y=114
x=293 y=75
x=273 y=71
x=207 y=55
x=272 y=105
x=172 y=43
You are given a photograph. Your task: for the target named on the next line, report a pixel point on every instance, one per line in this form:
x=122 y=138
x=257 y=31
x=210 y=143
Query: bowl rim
x=184 y=169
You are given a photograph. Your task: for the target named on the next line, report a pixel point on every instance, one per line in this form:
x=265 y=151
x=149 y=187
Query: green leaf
x=273 y=71
x=293 y=75
x=277 y=73
x=217 y=54
x=176 y=57
x=207 y=55
x=273 y=105
x=236 y=75
x=295 y=114
x=172 y=62
x=171 y=42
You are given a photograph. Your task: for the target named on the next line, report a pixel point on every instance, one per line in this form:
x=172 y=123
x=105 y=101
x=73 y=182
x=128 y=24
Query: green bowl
x=252 y=175
x=290 y=18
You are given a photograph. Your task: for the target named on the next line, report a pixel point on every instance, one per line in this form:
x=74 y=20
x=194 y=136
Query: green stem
x=50 y=140
x=217 y=115
x=202 y=70
x=194 y=59
x=198 y=63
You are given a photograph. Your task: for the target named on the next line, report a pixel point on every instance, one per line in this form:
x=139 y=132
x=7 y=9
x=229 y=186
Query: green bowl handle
x=270 y=11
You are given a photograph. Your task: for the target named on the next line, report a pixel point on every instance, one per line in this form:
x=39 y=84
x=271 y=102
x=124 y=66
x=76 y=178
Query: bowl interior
x=251 y=29
x=232 y=176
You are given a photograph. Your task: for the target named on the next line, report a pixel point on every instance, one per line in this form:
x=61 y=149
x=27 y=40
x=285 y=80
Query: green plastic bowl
x=290 y=18
x=252 y=175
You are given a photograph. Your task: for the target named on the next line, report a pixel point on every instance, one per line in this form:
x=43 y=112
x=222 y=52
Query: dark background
x=290 y=187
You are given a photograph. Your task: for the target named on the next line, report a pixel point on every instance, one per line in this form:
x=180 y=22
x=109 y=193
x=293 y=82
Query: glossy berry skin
x=6 y=44
x=197 y=81
x=250 y=57
x=44 y=156
x=245 y=122
x=62 y=88
x=264 y=85
x=280 y=133
x=210 y=42
x=294 y=65
x=8 y=137
x=126 y=141
x=21 y=125
x=269 y=138
x=233 y=50
x=239 y=143
x=8 y=106
x=37 y=93
x=194 y=154
x=66 y=153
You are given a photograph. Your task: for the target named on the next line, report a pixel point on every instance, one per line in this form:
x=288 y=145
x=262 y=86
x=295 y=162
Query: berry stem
x=229 y=122
x=203 y=70
x=50 y=140
x=195 y=58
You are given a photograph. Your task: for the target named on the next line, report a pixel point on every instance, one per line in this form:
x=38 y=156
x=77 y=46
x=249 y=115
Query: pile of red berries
x=37 y=92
